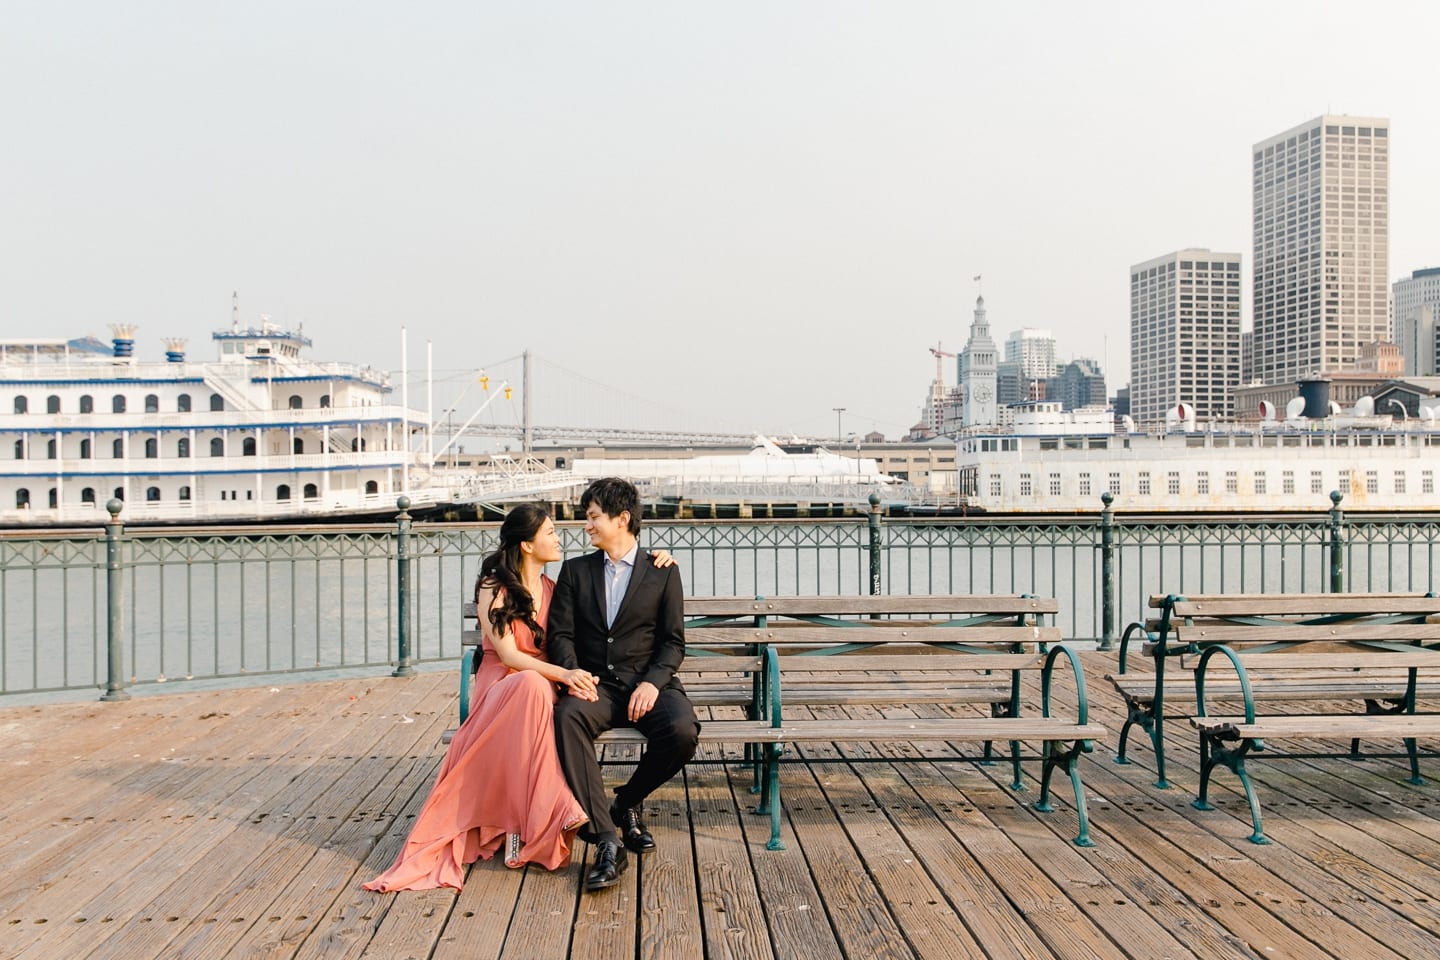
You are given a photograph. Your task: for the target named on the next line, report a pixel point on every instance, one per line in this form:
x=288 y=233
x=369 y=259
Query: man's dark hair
x=614 y=496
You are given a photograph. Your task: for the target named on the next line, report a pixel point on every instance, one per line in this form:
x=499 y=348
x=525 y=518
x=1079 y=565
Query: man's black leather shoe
x=632 y=829
x=610 y=862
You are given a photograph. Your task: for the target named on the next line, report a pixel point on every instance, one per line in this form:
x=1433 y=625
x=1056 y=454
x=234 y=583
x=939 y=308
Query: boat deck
x=240 y=823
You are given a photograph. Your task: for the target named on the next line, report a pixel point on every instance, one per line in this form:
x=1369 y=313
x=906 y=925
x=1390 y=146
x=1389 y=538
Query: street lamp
x=838 y=435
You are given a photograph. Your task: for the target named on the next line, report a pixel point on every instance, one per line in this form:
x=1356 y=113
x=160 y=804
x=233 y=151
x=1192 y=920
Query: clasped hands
x=584 y=685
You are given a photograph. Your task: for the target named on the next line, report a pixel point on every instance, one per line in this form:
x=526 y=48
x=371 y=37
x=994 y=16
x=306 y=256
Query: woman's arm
x=580 y=682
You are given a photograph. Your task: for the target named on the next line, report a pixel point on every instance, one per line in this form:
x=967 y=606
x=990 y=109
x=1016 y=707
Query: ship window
x=87 y=495
x=295 y=402
x=152 y=403
x=1317 y=482
x=117 y=448
x=1113 y=482
x=52 y=404
x=1202 y=483
x=249 y=494
x=1054 y=484
x=50 y=450
x=85 y=453
x=119 y=494
x=152 y=494
x=152 y=448
x=1232 y=481
x=325 y=401
x=312 y=492
x=217 y=402
x=247 y=447
x=184 y=493
x=299 y=445
x=1084 y=484
x=1172 y=483
x=182 y=403
x=1260 y=483
x=22 y=499
x=87 y=404
x=1372 y=481
x=559 y=463
x=22 y=405
x=182 y=447
x=1427 y=481
x=995 y=485
x=372 y=487
x=1144 y=483
x=217 y=447
x=1287 y=482
x=20 y=449
x=282 y=492
x=117 y=403
x=54 y=498
x=357 y=444
x=1024 y=484
x=1399 y=481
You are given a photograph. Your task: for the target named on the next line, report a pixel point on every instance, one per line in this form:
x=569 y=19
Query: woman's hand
x=662 y=558
x=582 y=684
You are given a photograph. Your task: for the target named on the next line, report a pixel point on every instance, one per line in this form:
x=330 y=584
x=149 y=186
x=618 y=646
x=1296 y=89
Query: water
x=241 y=605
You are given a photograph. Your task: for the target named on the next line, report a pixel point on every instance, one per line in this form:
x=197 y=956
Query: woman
x=500 y=784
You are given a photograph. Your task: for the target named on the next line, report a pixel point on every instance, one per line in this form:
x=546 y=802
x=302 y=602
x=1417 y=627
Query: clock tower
x=978 y=365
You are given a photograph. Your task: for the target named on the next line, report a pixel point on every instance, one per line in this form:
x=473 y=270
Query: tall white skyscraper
x=1035 y=351
x=1322 y=246
x=1417 y=308
x=1184 y=334
x=977 y=371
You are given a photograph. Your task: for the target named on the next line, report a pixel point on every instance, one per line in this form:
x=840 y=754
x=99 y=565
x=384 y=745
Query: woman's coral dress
x=501 y=775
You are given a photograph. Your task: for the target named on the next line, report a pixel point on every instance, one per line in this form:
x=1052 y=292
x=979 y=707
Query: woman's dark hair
x=501 y=570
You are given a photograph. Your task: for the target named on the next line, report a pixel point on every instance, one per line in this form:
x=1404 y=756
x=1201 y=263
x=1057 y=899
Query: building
x=1184 y=334
x=1034 y=350
x=1416 y=304
x=1078 y=384
x=1321 y=196
x=977 y=371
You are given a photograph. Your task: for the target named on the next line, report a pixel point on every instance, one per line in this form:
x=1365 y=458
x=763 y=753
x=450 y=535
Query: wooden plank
x=669 y=923
x=880 y=632
x=1337 y=726
x=1235 y=634
x=1305 y=605
x=866 y=604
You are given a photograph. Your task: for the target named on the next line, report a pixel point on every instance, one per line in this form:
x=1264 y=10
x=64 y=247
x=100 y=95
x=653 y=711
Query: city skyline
x=748 y=215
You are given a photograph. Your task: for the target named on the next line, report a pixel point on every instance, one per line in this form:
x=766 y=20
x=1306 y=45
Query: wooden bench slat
x=1326 y=725
x=867 y=604
x=1305 y=633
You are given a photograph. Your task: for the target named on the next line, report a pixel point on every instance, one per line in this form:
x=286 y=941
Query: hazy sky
x=745 y=214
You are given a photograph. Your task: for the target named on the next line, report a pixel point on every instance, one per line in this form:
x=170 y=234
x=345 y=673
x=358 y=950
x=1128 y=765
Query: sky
x=728 y=216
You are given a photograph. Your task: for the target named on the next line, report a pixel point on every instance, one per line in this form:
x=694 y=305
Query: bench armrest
x=1083 y=702
x=1137 y=627
x=1245 y=690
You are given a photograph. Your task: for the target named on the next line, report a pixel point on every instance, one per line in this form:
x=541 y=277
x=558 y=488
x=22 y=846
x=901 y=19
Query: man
x=618 y=616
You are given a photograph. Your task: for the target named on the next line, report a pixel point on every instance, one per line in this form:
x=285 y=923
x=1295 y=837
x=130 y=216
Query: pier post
x=1337 y=548
x=115 y=605
x=402 y=602
x=875 y=544
x=1107 y=573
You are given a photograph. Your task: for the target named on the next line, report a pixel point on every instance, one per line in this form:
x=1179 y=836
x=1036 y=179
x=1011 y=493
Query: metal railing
x=113 y=608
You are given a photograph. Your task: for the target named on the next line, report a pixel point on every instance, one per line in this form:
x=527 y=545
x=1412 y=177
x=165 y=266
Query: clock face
x=982 y=394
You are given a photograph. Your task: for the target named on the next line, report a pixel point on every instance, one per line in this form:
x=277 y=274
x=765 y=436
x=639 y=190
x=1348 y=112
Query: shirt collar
x=628 y=559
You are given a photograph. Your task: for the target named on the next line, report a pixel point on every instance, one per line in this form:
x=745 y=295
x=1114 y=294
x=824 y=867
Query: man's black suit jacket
x=646 y=641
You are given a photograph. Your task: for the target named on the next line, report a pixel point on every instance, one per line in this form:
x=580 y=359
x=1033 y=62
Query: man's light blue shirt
x=617 y=580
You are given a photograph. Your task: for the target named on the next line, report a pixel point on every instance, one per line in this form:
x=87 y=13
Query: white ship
x=1062 y=462
x=259 y=433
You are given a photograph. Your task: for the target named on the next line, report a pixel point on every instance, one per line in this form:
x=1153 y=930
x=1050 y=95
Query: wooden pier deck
x=240 y=824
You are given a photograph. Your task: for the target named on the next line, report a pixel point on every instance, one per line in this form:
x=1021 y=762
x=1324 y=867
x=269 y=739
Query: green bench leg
x=770 y=793
x=1213 y=752
x=1069 y=759
x=467 y=670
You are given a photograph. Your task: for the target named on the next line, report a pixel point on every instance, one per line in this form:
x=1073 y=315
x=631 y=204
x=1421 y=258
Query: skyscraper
x=1035 y=351
x=1184 y=334
x=1322 y=229
x=1417 y=308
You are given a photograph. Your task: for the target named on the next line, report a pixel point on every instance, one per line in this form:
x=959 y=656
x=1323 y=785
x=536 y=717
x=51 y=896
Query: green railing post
x=1337 y=550
x=402 y=603
x=115 y=605
x=1107 y=573
x=875 y=544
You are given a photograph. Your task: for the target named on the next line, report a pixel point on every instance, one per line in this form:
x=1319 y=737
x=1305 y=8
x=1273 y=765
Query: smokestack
x=175 y=350
x=124 y=340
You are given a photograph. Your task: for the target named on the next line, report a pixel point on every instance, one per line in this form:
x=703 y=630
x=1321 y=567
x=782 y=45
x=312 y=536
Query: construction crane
x=938 y=353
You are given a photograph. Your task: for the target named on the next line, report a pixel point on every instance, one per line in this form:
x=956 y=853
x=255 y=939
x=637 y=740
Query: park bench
x=776 y=659
x=1347 y=667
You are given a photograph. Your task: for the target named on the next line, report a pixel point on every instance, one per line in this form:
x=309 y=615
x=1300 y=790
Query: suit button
x=609 y=639
x=609 y=666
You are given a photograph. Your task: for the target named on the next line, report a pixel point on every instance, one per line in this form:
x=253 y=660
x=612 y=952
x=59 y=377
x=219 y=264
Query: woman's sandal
x=512 y=851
